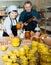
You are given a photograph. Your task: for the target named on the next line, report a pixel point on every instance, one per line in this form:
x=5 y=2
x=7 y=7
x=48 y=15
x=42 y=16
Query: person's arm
x=37 y=20
x=37 y=17
x=7 y=27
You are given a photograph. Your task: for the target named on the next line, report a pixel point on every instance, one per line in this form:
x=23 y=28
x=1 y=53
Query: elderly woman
x=9 y=26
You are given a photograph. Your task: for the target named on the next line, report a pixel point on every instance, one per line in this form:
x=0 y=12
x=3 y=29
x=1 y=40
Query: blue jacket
x=27 y=15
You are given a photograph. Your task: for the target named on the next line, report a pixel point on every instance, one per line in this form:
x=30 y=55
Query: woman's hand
x=25 y=24
x=11 y=35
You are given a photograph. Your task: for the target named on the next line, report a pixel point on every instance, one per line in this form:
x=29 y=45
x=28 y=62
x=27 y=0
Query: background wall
x=7 y=3
x=38 y=3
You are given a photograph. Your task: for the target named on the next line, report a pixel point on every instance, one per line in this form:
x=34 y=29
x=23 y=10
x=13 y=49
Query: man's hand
x=35 y=19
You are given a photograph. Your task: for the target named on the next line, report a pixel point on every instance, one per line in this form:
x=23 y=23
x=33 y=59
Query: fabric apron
x=13 y=29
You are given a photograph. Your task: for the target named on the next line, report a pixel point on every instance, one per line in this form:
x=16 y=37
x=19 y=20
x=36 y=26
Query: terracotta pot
x=35 y=38
x=32 y=33
x=27 y=35
x=37 y=34
x=47 y=41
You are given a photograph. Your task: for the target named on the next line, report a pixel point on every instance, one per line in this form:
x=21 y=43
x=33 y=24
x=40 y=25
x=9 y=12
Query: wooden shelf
x=49 y=19
x=48 y=28
x=44 y=11
x=3 y=15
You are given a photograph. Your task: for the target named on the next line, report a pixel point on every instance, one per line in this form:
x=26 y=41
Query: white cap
x=11 y=8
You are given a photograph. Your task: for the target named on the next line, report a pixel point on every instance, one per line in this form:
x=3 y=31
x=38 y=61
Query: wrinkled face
x=13 y=14
x=27 y=7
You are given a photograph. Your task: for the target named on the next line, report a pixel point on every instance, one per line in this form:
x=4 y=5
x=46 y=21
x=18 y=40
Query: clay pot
x=37 y=34
x=27 y=35
x=35 y=38
x=47 y=41
x=32 y=33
